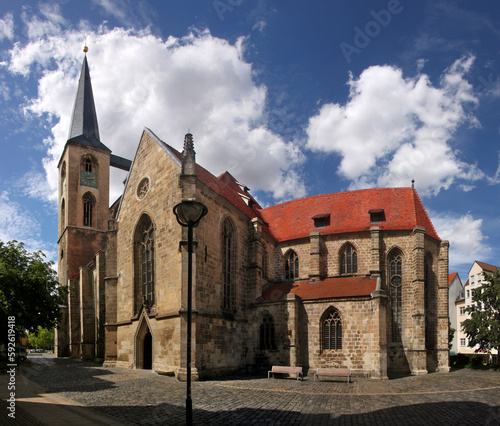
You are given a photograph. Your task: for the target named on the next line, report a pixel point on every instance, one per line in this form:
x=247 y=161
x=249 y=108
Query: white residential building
x=455 y=289
x=475 y=281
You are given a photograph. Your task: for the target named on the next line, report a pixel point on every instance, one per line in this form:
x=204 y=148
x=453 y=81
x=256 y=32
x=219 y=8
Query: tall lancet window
x=349 y=260
x=291 y=266
x=395 y=284
x=88 y=209
x=147 y=262
x=227 y=263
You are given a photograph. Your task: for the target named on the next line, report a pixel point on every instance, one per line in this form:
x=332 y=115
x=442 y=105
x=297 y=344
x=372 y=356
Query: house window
x=227 y=262
x=462 y=310
x=88 y=207
x=332 y=332
x=291 y=266
x=462 y=342
x=395 y=280
x=267 y=341
x=147 y=262
x=468 y=293
x=349 y=260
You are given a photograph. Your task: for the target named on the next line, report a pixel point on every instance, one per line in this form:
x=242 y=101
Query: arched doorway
x=147 y=355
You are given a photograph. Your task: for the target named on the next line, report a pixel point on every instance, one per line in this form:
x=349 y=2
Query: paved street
x=463 y=397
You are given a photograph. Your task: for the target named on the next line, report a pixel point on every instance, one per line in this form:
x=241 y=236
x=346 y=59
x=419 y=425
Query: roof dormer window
x=376 y=215
x=321 y=220
x=243 y=187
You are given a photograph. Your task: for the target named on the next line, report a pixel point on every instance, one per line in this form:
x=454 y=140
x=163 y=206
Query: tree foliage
x=483 y=327
x=41 y=338
x=29 y=289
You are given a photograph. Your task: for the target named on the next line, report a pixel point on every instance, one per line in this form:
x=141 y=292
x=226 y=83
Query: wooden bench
x=335 y=372
x=281 y=369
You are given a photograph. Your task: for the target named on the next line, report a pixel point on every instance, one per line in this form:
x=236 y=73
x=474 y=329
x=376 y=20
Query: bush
x=476 y=361
x=459 y=360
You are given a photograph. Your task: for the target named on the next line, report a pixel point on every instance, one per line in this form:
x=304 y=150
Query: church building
x=356 y=279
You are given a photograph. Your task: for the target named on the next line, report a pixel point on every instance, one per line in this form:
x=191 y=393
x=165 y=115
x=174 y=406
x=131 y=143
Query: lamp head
x=190 y=212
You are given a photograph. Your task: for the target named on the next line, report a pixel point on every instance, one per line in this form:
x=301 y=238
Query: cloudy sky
x=292 y=98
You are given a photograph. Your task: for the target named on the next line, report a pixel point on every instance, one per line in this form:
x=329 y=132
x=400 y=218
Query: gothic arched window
x=266 y=330
x=349 y=260
x=395 y=286
x=332 y=331
x=228 y=245
x=147 y=262
x=291 y=266
x=88 y=207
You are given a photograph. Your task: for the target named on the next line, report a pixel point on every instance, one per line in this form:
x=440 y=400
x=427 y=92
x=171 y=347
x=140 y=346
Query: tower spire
x=84 y=128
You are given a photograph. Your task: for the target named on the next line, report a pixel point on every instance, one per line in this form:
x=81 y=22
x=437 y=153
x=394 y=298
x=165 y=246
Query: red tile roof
x=349 y=211
x=403 y=210
x=329 y=288
x=451 y=277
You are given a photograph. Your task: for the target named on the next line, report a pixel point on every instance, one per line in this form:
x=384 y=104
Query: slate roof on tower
x=84 y=128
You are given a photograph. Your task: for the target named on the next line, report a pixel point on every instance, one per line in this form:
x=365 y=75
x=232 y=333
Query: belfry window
x=291 y=266
x=332 y=331
x=227 y=263
x=349 y=260
x=266 y=329
x=147 y=262
x=88 y=207
x=395 y=280
x=88 y=165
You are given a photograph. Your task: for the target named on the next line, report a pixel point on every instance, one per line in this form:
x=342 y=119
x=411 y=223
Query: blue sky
x=293 y=98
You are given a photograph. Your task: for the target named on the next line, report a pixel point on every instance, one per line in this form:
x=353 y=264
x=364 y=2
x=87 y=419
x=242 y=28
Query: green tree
x=483 y=327
x=29 y=290
x=41 y=338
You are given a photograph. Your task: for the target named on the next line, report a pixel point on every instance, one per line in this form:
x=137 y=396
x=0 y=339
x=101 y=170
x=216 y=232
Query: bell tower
x=83 y=215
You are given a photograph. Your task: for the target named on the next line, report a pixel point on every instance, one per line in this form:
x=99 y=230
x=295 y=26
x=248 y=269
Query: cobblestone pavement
x=141 y=397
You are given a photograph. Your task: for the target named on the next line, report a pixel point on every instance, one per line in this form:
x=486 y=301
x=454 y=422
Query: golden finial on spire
x=85 y=48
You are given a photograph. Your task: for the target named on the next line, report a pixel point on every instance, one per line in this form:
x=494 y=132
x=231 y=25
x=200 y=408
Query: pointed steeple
x=84 y=128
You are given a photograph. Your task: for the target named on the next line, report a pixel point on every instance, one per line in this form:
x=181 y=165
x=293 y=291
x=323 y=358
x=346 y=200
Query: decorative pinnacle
x=85 y=48
x=188 y=144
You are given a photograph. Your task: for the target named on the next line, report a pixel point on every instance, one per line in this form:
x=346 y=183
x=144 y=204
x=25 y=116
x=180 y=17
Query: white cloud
x=50 y=23
x=466 y=238
x=7 y=27
x=17 y=223
x=199 y=83
x=393 y=130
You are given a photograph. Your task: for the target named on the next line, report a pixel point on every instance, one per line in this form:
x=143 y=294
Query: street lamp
x=189 y=214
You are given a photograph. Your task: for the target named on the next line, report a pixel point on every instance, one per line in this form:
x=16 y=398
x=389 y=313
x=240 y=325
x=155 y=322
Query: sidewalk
x=34 y=407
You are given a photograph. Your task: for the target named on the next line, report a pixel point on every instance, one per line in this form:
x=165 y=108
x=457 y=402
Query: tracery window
x=395 y=281
x=147 y=262
x=227 y=262
x=349 y=260
x=332 y=331
x=291 y=266
x=88 y=207
x=267 y=341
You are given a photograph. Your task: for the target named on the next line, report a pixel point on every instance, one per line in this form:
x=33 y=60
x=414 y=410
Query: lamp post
x=189 y=214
